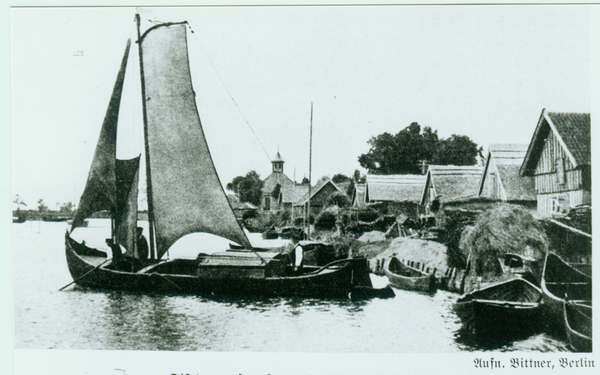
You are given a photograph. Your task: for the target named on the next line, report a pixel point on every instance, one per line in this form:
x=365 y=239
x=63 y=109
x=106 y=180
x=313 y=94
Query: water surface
x=83 y=318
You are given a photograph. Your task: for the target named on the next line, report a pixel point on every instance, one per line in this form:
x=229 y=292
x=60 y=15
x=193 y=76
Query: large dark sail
x=186 y=194
x=100 y=189
x=126 y=210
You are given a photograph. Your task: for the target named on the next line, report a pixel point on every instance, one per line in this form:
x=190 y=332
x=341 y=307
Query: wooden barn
x=318 y=198
x=501 y=181
x=558 y=158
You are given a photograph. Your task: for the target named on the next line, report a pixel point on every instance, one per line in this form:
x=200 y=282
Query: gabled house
x=449 y=185
x=558 y=158
x=274 y=185
x=501 y=180
x=292 y=194
x=394 y=194
x=318 y=197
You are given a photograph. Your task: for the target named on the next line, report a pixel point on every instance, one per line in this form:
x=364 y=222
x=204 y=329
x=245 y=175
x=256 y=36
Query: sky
x=482 y=71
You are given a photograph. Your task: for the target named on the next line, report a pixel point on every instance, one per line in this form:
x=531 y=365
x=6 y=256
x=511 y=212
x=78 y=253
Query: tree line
x=407 y=152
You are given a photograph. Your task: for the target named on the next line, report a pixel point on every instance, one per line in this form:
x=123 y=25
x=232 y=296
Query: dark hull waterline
x=325 y=281
x=509 y=308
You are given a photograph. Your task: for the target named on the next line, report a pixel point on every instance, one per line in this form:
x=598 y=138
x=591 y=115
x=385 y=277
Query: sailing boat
x=184 y=196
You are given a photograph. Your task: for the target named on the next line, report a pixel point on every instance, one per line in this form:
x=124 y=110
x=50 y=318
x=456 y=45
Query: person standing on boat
x=295 y=253
x=117 y=254
x=298 y=255
x=142 y=245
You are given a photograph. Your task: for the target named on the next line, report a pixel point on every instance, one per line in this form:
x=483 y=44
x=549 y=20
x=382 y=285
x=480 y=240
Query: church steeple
x=277 y=163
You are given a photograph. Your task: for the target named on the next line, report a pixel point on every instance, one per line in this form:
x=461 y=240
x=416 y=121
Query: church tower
x=277 y=164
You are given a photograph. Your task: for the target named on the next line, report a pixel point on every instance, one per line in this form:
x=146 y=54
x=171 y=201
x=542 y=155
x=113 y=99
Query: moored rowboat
x=403 y=276
x=505 y=308
x=560 y=279
x=578 y=324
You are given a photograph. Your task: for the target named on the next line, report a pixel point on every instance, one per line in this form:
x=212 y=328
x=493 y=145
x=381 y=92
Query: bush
x=325 y=221
x=338 y=199
x=249 y=214
x=368 y=215
x=299 y=221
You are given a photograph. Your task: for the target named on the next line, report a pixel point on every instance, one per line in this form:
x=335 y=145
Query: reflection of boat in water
x=184 y=196
x=578 y=325
x=505 y=308
x=406 y=277
x=560 y=279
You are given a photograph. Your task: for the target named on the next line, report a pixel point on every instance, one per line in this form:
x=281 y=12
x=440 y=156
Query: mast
x=309 y=172
x=146 y=148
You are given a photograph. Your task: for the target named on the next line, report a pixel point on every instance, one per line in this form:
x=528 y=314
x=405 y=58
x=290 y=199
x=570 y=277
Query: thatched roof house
x=394 y=194
x=501 y=180
x=450 y=183
x=559 y=159
x=394 y=188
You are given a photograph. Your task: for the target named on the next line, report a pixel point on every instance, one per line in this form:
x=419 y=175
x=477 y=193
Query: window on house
x=267 y=203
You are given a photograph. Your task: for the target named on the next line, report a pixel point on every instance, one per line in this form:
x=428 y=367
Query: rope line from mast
x=229 y=93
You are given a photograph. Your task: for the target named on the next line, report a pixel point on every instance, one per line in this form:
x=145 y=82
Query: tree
x=247 y=188
x=337 y=178
x=304 y=181
x=42 y=206
x=456 y=150
x=67 y=208
x=19 y=202
x=358 y=178
x=405 y=152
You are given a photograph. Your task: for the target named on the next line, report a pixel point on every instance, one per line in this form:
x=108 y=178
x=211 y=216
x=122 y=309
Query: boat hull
x=507 y=309
x=422 y=283
x=176 y=276
x=578 y=326
x=560 y=279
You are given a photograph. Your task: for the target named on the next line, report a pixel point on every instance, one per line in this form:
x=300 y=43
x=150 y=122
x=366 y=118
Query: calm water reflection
x=82 y=318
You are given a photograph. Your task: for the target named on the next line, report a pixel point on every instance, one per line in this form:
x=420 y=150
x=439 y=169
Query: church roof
x=277 y=157
x=274 y=179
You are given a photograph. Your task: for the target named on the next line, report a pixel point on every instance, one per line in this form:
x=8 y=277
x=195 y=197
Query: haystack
x=501 y=230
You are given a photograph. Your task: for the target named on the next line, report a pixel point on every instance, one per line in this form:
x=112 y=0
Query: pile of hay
x=456 y=222
x=374 y=236
x=501 y=230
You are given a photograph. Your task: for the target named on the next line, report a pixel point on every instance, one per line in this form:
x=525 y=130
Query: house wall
x=428 y=196
x=491 y=185
x=558 y=184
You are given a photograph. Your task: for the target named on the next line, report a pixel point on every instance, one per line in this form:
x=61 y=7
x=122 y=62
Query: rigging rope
x=229 y=93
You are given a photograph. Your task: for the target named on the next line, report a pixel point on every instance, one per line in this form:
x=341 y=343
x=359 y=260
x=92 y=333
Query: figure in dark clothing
x=118 y=259
x=117 y=254
x=142 y=245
